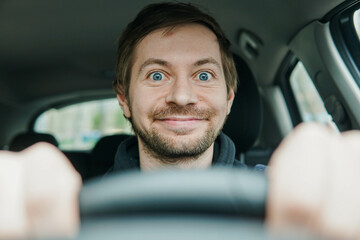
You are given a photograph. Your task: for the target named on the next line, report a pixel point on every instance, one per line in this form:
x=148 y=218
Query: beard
x=170 y=149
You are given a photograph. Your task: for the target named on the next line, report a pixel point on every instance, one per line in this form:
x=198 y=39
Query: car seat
x=245 y=119
x=26 y=139
x=103 y=154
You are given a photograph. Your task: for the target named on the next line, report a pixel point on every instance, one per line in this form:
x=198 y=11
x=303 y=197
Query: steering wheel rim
x=212 y=191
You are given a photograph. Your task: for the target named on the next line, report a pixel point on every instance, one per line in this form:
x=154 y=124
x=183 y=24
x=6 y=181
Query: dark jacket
x=127 y=155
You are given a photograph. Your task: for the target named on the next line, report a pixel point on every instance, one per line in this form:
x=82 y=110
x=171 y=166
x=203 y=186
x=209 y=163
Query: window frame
x=343 y=32
x=283 y=80
x=65 y=104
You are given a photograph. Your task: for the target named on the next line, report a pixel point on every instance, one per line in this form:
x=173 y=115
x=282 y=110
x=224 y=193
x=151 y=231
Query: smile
x=183 y=122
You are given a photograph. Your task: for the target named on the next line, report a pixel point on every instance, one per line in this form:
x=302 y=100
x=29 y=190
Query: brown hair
x=166 y=15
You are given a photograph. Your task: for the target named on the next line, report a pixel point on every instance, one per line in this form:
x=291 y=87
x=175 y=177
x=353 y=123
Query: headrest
x=244 y=122
x=103 y=153
x=26 y=139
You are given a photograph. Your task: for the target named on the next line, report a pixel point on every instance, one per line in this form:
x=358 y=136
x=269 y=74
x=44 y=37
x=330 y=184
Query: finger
x=12 y=203
x=296 y=177
x=52 y=188
x=341 y=216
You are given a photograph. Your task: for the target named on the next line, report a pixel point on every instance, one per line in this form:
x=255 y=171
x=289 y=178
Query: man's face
x=178 y=100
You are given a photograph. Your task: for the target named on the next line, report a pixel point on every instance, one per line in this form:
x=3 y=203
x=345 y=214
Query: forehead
x=183 y=42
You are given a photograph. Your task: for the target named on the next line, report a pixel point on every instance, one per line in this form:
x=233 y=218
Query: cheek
x=141 y=105
x=223 y=108
x=136 y=107
x=218 y=101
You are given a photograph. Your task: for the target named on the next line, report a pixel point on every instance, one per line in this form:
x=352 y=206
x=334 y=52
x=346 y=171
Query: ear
x=230 y=100
x=124 y=104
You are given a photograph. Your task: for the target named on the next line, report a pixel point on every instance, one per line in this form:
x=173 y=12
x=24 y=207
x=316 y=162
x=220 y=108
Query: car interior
x=56 y=54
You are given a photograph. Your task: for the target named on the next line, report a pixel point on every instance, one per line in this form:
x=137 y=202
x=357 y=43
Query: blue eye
x=157 y=76
x=204 y=76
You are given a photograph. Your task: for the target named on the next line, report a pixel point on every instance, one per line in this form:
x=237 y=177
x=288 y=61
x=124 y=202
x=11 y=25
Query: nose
x=182 y=93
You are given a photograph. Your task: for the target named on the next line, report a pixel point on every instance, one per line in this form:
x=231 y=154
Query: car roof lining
x=56 y=47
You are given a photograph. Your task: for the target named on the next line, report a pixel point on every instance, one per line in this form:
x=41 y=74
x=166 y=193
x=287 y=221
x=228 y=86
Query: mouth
x=181 y=121
x=180 y=118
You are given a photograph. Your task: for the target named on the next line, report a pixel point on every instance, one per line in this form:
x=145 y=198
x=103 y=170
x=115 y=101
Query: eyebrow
x=152 y=61
x=161 y=62
x=209 y=60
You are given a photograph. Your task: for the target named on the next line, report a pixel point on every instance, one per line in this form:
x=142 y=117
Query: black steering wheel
x=224 y=191
x=123 y=203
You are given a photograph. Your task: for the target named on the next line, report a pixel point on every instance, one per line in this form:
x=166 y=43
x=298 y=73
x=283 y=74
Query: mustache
x=189 y=110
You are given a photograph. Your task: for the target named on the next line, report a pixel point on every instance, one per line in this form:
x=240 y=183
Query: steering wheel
x=226 y=191
x=184 y=198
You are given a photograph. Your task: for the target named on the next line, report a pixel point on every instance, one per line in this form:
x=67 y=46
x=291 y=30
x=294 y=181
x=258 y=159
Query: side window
x=345 y=31
x=356 y=20
x=309 y=102
x=79 y=126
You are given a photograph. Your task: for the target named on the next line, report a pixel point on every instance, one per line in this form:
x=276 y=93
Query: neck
x=149 y=162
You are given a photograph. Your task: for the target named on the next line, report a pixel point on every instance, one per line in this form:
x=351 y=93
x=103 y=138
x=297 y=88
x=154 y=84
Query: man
x=175 y=82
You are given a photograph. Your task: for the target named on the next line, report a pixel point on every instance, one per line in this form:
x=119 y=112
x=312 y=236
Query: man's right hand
x=39 y=193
